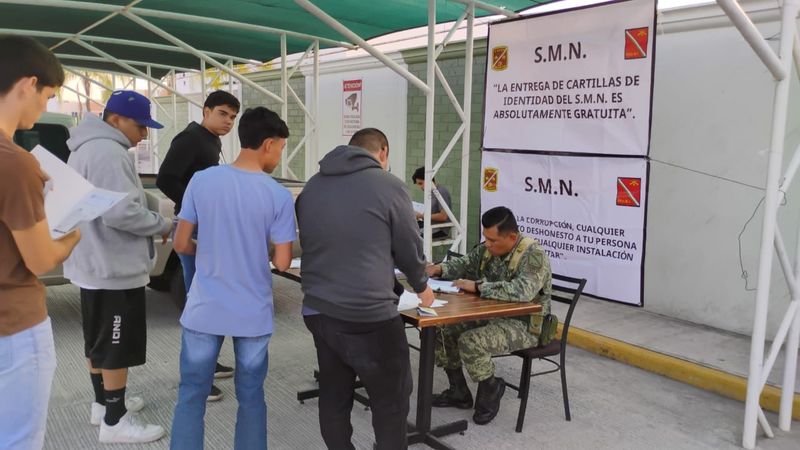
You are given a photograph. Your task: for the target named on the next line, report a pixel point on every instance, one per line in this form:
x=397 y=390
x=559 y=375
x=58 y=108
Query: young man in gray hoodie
x=112 y=263
x=356 y=224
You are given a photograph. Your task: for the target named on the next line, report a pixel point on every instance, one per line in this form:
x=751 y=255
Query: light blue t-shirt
x=237 y=213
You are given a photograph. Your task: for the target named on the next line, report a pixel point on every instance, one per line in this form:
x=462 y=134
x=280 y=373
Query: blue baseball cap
x=132 y=105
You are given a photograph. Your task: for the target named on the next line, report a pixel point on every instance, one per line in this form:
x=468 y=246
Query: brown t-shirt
x=22 y=295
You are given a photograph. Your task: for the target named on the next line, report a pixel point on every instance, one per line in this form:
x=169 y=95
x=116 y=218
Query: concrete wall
x=383 y=106
x=711 y=118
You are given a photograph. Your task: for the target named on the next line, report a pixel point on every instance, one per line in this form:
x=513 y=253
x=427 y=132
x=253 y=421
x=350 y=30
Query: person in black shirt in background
x=197 y=148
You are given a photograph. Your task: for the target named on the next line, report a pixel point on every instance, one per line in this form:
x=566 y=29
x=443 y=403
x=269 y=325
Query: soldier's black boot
x=457 y=395
x=487 y=401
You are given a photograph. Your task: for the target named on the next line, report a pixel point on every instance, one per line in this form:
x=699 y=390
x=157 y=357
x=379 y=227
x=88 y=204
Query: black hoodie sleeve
x=407 y=246
x=172 y=179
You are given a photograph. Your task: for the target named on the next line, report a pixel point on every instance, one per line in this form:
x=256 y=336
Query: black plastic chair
x=557 y=347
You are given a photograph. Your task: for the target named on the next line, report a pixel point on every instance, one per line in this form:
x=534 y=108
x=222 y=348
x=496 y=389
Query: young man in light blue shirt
x=238 y=210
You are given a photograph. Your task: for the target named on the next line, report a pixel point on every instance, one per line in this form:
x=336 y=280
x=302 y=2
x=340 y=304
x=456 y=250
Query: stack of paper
x=442 y=286
x=418 y=207
x=69 y=198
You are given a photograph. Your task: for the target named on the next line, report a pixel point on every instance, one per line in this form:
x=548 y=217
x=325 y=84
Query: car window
x=50 y=136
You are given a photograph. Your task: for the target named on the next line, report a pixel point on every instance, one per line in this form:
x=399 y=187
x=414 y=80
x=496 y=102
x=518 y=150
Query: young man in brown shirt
x=29 y=76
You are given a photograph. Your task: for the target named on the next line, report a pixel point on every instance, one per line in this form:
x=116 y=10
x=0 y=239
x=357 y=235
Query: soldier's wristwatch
x=478 y=286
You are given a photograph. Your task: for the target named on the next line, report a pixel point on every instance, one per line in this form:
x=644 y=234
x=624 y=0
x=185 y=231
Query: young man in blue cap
x=112 y=263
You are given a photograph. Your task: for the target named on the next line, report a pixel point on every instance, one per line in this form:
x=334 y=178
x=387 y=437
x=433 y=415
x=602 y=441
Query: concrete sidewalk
x=614 y=406
x=705 y=357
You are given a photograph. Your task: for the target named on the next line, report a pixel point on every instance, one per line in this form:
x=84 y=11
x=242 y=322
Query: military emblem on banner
x=629 y=192
x=490 y=179
x=636 y=43
x=500 y=58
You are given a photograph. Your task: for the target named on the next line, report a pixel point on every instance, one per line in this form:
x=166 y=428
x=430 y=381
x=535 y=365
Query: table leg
x=302 y=396
x=421 y=432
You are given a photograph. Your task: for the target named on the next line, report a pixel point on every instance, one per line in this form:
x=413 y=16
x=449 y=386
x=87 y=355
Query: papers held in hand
x=72 y=199
x=446 y=287
x=409 y=300
x=418 y=207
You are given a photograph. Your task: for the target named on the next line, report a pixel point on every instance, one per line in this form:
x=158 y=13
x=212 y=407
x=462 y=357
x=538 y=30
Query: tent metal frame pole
x=300 y=61
x=80 y=94
x=488 y=7
x=363 y=44
x=284 y=103
x=126 y=61
x=96 y=24
x=153 y=99
x=465 y=136
x=753 y=37
x=203 y=87
x=790 y=362
x=450 y=34
x=125 y=42
x=94 y=69
x=132 y=69
x=429 y=123
x=459 y=224
x=780 y=67
x=93 y=81
x=180 y=17
x=174 y=40
x=154 y=132
x=312 y=151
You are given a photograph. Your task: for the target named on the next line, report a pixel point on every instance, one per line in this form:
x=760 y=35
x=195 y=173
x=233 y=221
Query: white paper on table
x=418 y=207
x=71 y=199
x=442 y=286
x=410 y=300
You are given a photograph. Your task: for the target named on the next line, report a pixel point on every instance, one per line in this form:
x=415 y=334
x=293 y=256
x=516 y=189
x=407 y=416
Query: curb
x=707 y=378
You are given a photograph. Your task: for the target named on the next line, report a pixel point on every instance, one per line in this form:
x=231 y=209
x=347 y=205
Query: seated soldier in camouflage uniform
x=508 y=267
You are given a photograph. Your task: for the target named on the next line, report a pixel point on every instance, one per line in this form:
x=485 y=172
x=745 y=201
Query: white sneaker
x=129 y=431
x=133 y=404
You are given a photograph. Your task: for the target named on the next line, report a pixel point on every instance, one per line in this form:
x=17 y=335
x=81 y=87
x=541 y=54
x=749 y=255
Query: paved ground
x=614 y=406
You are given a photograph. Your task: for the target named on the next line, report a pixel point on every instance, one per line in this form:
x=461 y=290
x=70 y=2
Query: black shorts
x=114 y=327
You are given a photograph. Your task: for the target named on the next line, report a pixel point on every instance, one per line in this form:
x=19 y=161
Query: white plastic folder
x=71 y=199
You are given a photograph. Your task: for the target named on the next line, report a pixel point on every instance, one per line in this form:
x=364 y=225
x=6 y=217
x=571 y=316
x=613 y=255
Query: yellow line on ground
x=714 y=380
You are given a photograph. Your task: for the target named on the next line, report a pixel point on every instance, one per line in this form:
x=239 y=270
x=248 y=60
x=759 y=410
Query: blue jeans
x=199 y=352
x=188 y=265
x=27 y=365
x=187 y=261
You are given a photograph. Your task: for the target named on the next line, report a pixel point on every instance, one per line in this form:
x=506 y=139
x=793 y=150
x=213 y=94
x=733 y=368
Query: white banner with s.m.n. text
x=588 y=213
x=576 y=81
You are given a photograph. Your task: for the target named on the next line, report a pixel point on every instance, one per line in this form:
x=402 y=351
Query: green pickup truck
x=51 y=131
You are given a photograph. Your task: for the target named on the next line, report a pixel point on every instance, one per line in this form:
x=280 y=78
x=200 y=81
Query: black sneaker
x=215 y=394
x=223 y=371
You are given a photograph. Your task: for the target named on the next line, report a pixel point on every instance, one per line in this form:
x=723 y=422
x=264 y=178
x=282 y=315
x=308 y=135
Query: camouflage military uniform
x=474 y=343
